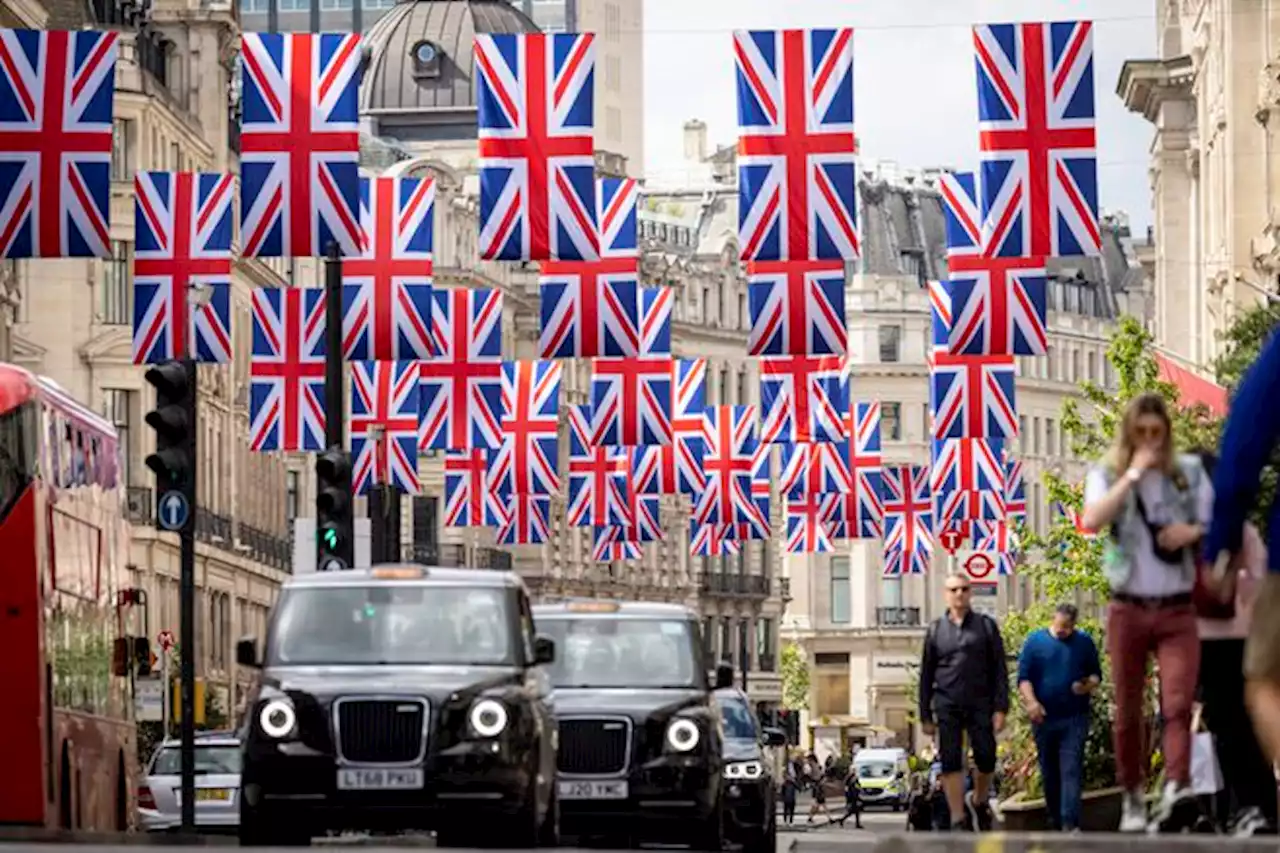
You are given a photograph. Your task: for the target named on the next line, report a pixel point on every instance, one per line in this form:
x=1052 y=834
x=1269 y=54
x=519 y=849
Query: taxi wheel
x=258 y=830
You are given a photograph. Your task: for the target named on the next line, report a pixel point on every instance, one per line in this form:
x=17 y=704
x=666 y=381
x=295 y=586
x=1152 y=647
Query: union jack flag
x=527 y=520
x=677 y=467
x=56 y=95
x=631 y=401
x=972 y=396
x=609 y=546
x=619 y=229
x=597 y=477
x=1076 y=517
x=729 y=464
x=299 y=144
x=655 y=320
x=908 y=520
x=526 y=462
x=182 y=233
x=859 y=514
x=968 y=479
x=386 y=289
x=804 y=398
x=713 y=540
x=590 y=308
x=286 y=369
x=462 y=384
x=997 y=539
x=939 y=319
x=807 y=530
x=815 y=468
x=1015 y=491
x=797 y=197
x=644 y=518
x=758 y=524
x=797 y=308
x=1036 y=135
x=999 y=306
x=384 y=425
x=961 y=216
x=470 y=501
x=537 y=163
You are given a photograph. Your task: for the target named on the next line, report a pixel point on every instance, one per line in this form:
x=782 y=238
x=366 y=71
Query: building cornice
x=1146 y=84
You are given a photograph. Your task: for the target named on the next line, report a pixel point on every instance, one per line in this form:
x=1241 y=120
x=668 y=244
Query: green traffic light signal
x=330 y=537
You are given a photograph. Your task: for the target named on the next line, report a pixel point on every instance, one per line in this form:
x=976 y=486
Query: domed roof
x=421 y=54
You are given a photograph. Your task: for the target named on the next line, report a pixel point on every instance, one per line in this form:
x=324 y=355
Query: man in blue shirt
x=1251 y=433
x=1058 y=670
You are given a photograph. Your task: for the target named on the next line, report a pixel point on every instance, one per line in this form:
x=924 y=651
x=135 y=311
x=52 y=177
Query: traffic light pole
x=335 y=526
x=334 y=394
x=187 y=614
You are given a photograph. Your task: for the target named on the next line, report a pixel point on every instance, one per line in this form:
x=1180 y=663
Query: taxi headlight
x=277 y=718
x=683 y=735
x=488 y=718
x=744 y=770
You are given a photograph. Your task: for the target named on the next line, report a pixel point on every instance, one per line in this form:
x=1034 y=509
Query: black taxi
x=751 y=799
x=640 y=752
x=400 y=698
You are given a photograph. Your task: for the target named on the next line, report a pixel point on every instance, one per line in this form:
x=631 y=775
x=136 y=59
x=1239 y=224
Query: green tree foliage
x=1243 y=340
x=795 y=677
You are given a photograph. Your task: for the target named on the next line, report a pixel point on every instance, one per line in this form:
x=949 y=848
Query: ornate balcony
x=898 y=617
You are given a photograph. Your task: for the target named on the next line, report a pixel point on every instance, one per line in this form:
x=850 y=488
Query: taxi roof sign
x=400 y=573
x=592 y=607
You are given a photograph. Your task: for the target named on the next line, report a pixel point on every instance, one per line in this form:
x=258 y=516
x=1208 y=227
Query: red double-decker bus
x=67 y=722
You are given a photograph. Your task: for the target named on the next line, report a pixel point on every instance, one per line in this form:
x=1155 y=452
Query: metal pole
x=166 y=697
x=273 y=20
x=334 y=393
x=377 y=523
x=315 y=16
x=357 y=16
x=187 y=614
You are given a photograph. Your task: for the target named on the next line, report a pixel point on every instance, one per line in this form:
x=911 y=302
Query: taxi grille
x=594 y=746
x=380 y=731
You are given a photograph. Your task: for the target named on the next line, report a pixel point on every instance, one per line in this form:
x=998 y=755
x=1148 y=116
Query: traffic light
x=172 y=420
x=334 y=524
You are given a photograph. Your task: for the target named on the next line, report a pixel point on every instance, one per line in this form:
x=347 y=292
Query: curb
x=45 y=835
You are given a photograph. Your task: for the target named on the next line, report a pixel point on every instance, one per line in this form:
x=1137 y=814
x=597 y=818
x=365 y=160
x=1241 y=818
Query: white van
x=884 y=776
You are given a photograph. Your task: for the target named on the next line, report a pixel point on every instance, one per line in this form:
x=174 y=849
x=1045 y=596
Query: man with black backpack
x=964 y=689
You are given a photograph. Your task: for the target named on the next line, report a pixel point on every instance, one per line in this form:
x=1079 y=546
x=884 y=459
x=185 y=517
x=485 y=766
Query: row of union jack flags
x=1036 y=186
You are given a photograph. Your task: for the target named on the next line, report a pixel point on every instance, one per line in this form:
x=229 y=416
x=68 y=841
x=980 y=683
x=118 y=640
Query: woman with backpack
x=1152 y=504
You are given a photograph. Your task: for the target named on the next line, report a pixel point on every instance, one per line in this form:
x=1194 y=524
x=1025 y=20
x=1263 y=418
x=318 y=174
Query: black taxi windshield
x=611 y=651
x=392 y=624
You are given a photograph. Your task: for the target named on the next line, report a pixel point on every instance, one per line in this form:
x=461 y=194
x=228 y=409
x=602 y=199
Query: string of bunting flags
x=428 y=371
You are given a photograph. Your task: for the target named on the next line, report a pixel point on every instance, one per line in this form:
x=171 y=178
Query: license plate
x=593 y=790
x=378 y=779
x=206 y=795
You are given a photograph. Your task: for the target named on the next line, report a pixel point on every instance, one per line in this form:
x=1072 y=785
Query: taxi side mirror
x=247 y=652
x=544 y=650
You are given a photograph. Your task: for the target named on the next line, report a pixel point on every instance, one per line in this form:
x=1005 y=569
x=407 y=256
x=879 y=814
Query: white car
x=217 y=786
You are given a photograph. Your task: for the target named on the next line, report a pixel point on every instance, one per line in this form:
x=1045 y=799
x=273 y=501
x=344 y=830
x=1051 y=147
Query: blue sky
x=914 y=76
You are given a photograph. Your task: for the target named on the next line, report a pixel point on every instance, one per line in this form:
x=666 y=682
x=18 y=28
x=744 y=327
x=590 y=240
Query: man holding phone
x=1058 y=670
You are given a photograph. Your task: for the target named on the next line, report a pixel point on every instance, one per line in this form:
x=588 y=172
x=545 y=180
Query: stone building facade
x=1213 y=98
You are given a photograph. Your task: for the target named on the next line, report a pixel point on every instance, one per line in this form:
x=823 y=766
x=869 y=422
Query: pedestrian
x=819 y=803
x=790 y=788
x=1152 y=502
x=852 y=798
x=964 y=689
x=1249 y=787
x=1058 y=670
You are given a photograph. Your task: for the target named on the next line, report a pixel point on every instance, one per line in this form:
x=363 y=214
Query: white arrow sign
x=174 y=510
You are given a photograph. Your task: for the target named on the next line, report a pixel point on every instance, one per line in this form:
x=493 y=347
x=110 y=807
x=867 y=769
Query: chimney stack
x=695 y=141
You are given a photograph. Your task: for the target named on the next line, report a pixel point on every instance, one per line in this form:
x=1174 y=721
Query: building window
x=117 y=407
x=1022 y=433
x=891 y=421
x=724 y=388
x=117 y=285
x=1050 y=437
x=726 y=639
x=123 y=142
x=426 y=536
x=891 y=592
x=764 y=644
x=890 y=344
x=742 y=387
x=709 y=637
x=292 y=496
x=744 y=643
x=841 y=603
